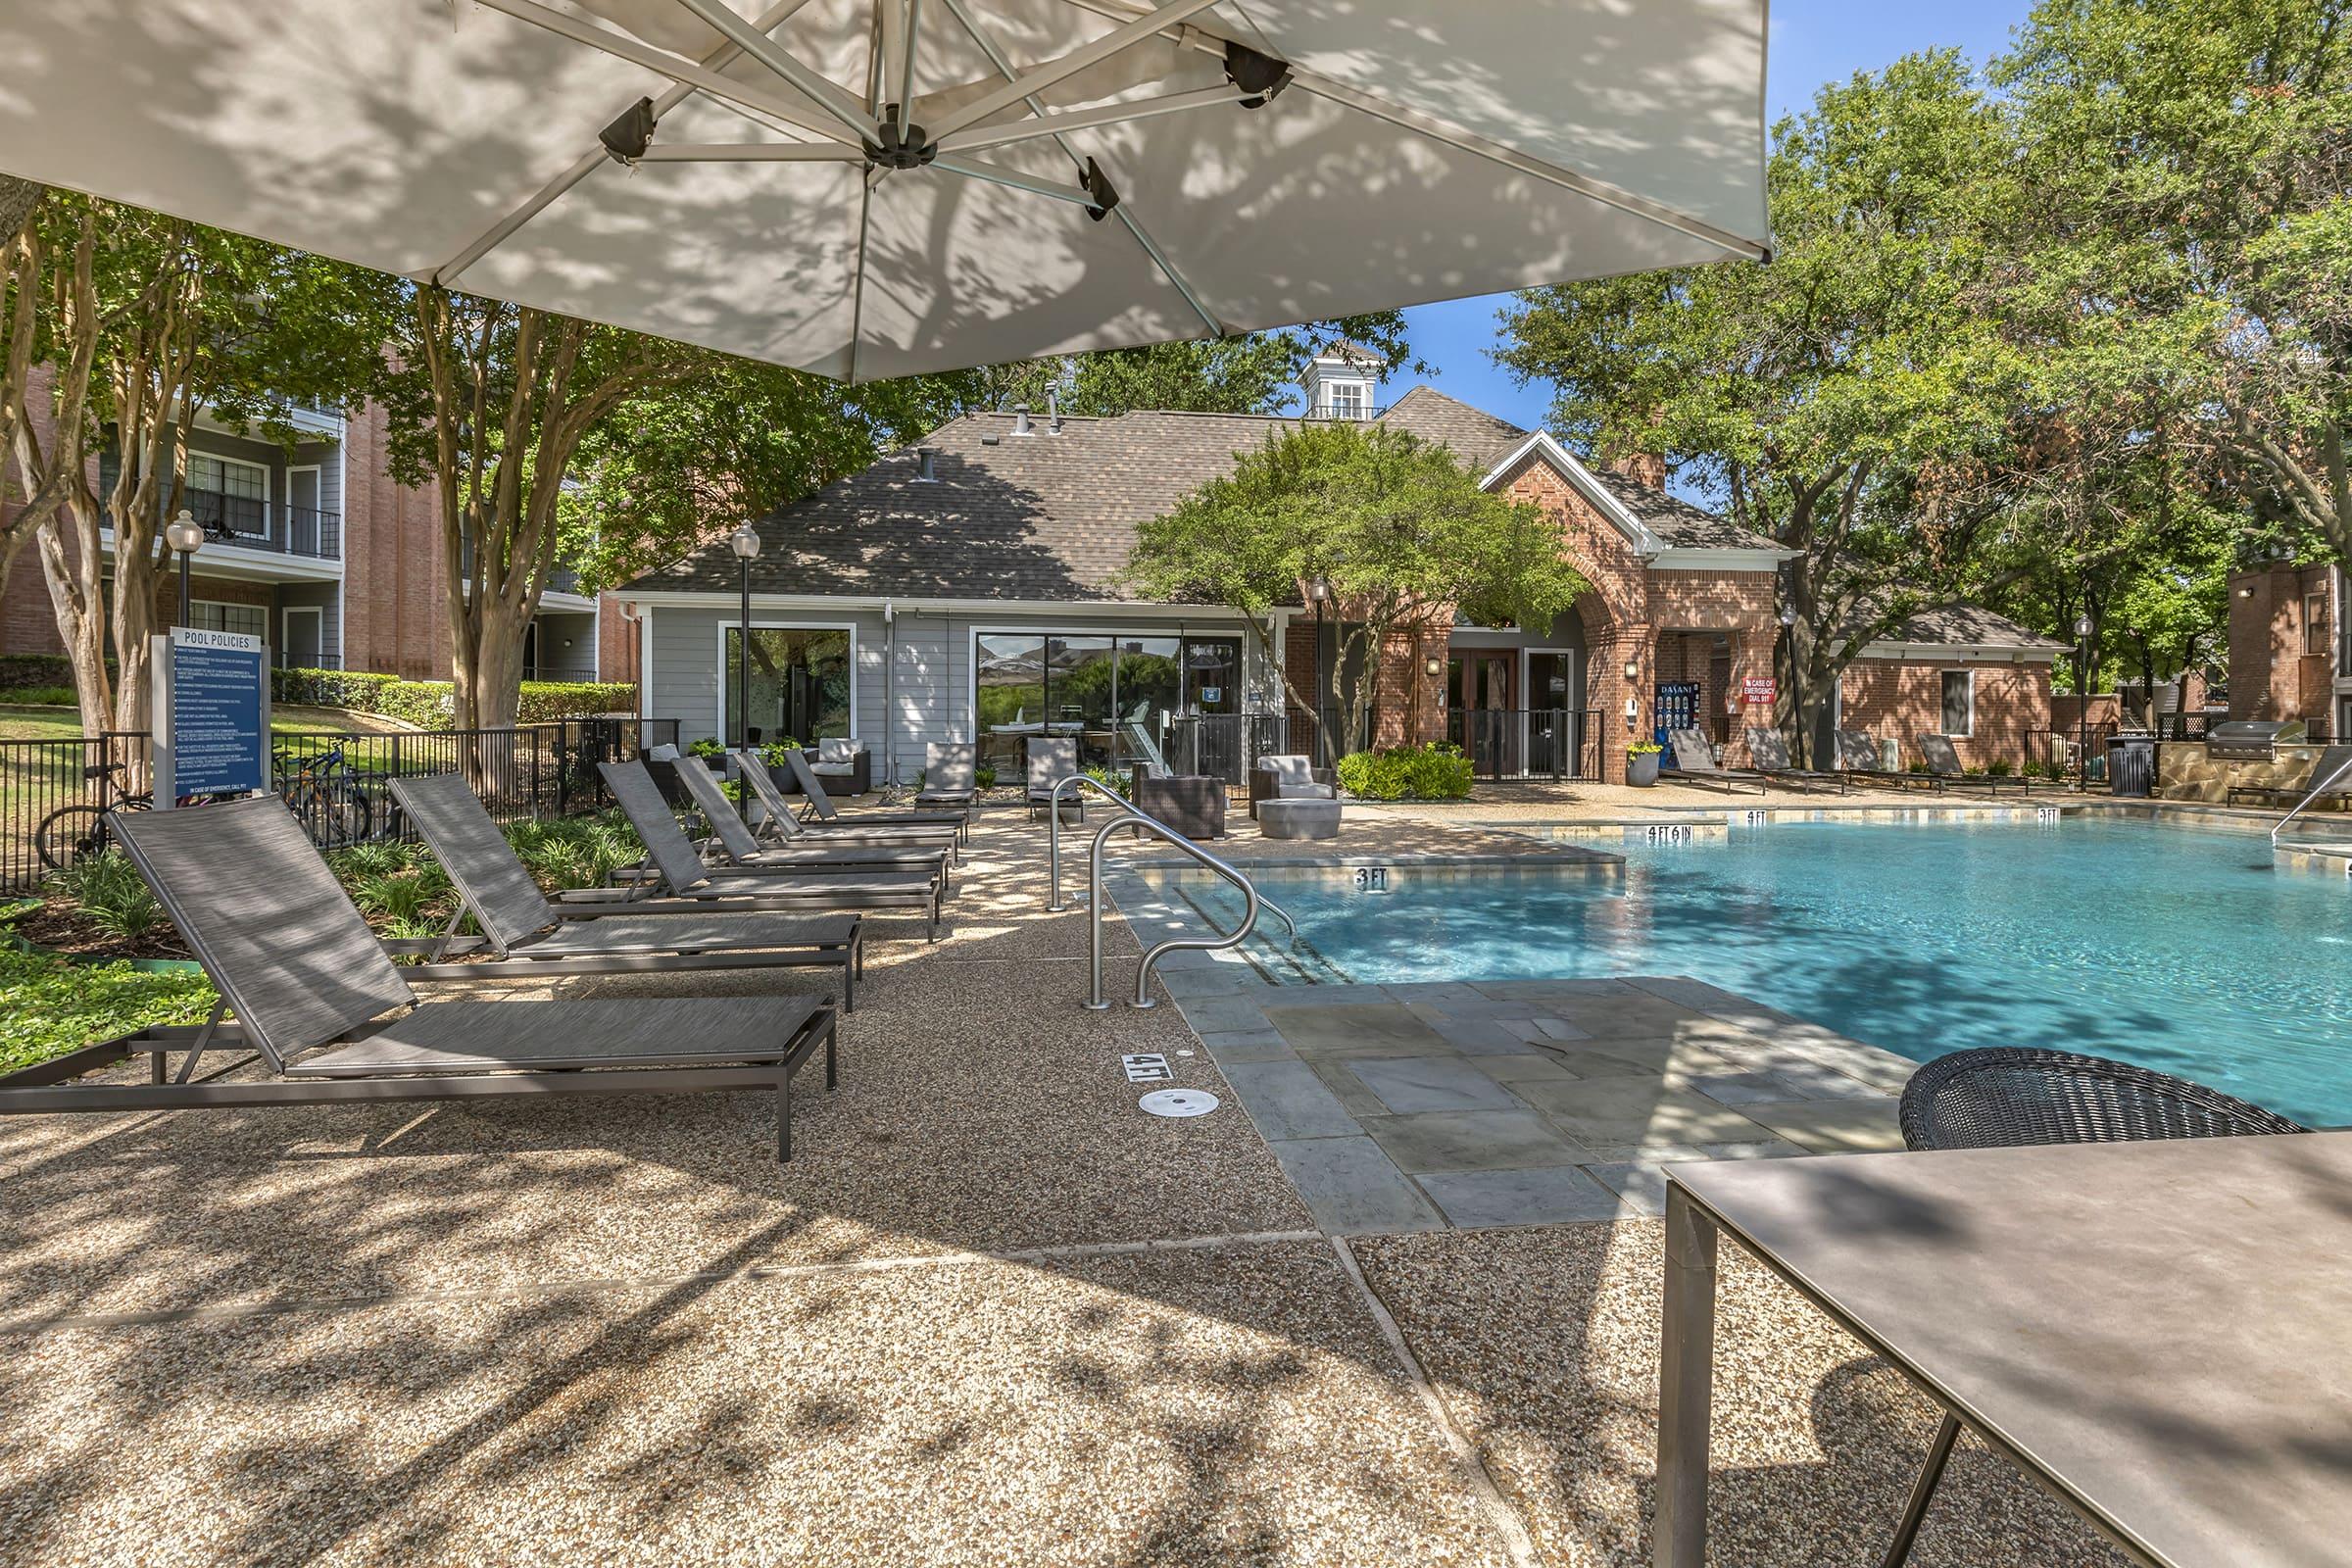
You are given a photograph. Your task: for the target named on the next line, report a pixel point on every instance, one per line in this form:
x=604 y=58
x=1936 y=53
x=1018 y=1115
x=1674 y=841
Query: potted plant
x=1641 y=763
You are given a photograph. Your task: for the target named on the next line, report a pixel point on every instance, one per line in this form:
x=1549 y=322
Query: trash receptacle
x=2131 y=764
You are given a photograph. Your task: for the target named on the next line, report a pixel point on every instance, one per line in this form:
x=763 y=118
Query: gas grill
x=2252 y=740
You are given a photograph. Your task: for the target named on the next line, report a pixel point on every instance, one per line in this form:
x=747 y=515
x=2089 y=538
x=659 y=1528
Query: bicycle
x=71 y=834
x=322 y=792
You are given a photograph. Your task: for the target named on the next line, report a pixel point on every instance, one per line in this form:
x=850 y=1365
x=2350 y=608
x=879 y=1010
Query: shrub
x=1919 y=767
x=772 y=753
x=430 y=704
x=1118 y=784
x=1998 y=767
x=331 y=688
x=110 y=894
x=545 y=700
x=1433 y=772
x=49 y=1006
x=984 y=777
x=707 y=748
x=40 y=695
x=22 y=672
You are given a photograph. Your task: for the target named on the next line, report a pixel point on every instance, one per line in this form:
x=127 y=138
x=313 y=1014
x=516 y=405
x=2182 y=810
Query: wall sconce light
x=2246 y=592
x=1433 y=666
x=1633 y=708
x=1632 y=670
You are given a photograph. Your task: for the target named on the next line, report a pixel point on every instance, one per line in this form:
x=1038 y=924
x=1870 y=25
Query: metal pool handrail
x=1137 y=822
x=1053 y=904
x=2316 y=790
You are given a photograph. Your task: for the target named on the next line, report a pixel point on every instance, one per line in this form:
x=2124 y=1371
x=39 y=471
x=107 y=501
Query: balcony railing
x=254 y=524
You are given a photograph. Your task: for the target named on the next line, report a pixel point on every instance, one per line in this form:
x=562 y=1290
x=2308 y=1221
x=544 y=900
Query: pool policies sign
x=211 y=714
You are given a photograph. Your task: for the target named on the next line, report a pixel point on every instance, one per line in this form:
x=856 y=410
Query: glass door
x=1481 y=687
x=1212 y=709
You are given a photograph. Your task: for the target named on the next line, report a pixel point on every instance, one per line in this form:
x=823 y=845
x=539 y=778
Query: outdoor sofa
x=525 y=936
x=776 y=823
x=678 y=872
x=1694 y=760
x=844 y=766
x=321 y=1007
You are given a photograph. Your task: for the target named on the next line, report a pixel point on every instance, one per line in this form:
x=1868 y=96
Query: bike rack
x=1137 y=822
x=2316 y=790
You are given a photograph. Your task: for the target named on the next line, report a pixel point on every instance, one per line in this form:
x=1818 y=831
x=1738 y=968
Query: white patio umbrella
x=871 y=189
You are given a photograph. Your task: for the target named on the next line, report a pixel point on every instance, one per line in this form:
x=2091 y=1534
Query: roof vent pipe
x=926 y=469
x=1054 y=407
x=1020 y=420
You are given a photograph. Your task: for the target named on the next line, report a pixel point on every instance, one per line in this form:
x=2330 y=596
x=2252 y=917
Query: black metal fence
x=1548 y=742
x=338 y=783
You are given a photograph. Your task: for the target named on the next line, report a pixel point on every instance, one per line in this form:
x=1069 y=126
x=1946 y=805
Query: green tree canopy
x=1254 y=373
x=1398 y=527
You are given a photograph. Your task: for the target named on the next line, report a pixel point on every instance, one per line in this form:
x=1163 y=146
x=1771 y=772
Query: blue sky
x=1812 y=42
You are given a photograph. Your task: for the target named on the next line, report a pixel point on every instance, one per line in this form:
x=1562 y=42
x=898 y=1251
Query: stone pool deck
x=989 y=1314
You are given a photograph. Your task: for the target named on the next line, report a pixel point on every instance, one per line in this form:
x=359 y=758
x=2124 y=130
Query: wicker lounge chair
x=1769 y=750
x=2332 y=762
x=1858 y=757
x=1050 y=763
x=318 y=1004
x=739 y=849
x=677 y=870
x=950 y=774
x=776 y=823
x=528 y=937
x=821 y=806
x=1695 y=762
x=2006 y=1097
x=1944 y=761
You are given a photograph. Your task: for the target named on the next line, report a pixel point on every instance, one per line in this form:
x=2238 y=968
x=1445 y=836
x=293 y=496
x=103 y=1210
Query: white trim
x=844 y=603
x=286 y=629
x=1237 y=629
x=1978 y=652
x=721 y=660
x=1943 y=703
x=1542 y=445
x=1720 y=557
x=1527 y=665
x=645 y=660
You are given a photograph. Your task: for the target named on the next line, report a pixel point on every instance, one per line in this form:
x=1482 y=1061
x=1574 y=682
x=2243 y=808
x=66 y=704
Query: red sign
x=1760 y=688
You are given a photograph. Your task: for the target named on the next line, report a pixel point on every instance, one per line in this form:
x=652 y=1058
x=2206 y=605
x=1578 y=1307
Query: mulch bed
x=59 y=926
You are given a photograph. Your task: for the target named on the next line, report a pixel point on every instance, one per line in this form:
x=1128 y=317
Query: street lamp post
x=745 y=542
x=185 y=535
x=1318 y=589
x=2083 y=702
x=1796 y=681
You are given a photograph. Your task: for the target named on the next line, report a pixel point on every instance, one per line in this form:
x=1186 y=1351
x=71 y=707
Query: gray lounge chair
x=821 y=806
x=678 y=871
x=1858 y=757
x=740 y=850
x=1944 y=763
x=778 y=824
x=527 y=937
x=1694 y=760
x=318 y=1003
x=950 y=774
x=1769 y=750
x=1050 y=763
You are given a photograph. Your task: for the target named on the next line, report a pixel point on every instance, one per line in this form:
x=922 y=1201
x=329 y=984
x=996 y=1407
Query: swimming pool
x=2182 y=950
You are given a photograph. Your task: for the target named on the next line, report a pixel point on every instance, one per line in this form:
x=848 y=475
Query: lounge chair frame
x=1763 y=745
x=1683 y=744
x=778 y=826
x=824 y=811
x=732 y=844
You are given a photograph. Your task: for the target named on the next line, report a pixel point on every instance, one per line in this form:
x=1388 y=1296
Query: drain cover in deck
x=1179 y=1102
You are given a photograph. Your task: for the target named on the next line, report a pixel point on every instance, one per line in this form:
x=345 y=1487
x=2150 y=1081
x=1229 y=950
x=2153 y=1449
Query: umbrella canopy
x=872 y=189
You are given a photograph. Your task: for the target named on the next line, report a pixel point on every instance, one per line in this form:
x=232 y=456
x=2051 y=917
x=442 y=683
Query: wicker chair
x=2006 y=1097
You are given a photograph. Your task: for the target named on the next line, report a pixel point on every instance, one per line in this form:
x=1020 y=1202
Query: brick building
x=968 y=589
x=318 y=553
x=2290 y=655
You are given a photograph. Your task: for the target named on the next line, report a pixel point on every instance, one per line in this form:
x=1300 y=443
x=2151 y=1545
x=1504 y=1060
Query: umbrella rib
x=1045 y=76
x=1207 y=42
x=677 y=68
x=996 y=174
x=865 y=209
x=753 y=152
x=913 y=22
x=825 y=93
x=1056 y=122
x=1124 y=213
x=503 y=230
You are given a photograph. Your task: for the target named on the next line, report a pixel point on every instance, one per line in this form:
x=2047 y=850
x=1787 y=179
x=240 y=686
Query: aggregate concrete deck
x=990 y=1313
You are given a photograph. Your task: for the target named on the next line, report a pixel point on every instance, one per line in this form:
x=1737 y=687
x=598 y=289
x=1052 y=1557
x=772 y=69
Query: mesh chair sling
x=1858 y=757
x=1050 y=763
x=778 y=823
x=528 y=936
x=820 y=804
x=1944 y=760
x=1769 y=750
x=2006 y=1096
x=679 y=872
x=744 y=851
x=1694 y=760
x=318 y=1003
x=950 y=774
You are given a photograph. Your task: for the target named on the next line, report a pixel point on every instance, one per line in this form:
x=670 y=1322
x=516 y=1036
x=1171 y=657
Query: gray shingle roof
x=1052 y=516
x=1970 y=626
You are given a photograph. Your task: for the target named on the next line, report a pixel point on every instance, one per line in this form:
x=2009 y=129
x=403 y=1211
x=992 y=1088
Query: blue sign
x=1677 y=707
x=220 y=713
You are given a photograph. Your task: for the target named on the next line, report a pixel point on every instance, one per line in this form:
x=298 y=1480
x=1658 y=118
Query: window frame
x=269 y=498
x=720 y=708
x=261 y=612
x=1359 y=396
x=2314 y=627
x=1943 y=702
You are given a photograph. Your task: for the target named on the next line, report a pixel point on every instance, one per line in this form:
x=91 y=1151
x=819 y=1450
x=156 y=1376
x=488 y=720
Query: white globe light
x=745 y=542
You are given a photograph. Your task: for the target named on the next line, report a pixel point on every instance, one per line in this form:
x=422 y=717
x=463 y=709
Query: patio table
x=2160 y=1333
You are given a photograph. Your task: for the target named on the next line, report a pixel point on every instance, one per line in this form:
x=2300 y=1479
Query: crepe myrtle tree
x=1399 y=527
x=42 y=274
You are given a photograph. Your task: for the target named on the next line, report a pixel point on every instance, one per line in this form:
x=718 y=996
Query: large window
x=229 y=493
x=799 y=684
x=210 y=614
x=1959 y=702
x=1116 y=696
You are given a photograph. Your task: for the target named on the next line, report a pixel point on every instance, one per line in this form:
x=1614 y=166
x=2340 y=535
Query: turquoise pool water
x=2180 y=950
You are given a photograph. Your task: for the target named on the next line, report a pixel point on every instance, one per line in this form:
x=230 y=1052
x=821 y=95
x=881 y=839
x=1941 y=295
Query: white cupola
x=1341 y=381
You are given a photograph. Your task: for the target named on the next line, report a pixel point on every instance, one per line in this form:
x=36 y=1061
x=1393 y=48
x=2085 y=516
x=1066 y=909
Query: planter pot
x=1642 y=772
